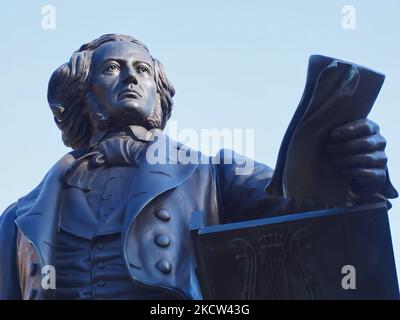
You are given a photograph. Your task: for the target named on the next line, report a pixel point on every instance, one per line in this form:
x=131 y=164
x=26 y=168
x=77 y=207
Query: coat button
x=163 y=215
x=164 y=266
x=100 y=265
x=162 y=240
x=32 y=269
x=101 y=283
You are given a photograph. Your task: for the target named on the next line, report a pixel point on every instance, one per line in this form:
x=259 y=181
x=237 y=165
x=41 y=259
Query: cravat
x=114 y=151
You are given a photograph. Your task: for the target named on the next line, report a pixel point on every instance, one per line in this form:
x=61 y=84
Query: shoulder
x=7 y=226
x=8 y=216
x=9 y=283
x=23 y=203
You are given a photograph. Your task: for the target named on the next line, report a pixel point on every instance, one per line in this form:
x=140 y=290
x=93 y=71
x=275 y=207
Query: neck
x=135 y=131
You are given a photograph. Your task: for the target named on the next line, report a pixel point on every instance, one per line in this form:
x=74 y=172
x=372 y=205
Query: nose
x=131 y=76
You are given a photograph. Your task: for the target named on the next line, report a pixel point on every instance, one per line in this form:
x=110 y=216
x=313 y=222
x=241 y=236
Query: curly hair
x=73 y=106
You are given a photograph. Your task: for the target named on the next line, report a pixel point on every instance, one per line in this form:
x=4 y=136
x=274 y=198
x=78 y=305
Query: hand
x=358 y=149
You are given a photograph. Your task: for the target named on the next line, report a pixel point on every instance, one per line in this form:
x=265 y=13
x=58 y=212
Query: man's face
x=122 y=81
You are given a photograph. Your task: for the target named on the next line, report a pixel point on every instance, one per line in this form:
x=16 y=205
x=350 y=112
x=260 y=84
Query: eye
x=143 y=69
x=112 y=68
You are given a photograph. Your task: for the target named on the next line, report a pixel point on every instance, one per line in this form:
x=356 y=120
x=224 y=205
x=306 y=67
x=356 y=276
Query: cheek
x=103 y=88
x=151 y=89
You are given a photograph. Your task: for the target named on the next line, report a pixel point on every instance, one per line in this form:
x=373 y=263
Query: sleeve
x=242 y=192
x=243 y=196
x=9 y=279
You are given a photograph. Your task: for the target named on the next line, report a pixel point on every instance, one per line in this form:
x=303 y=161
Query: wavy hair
x=73 y=106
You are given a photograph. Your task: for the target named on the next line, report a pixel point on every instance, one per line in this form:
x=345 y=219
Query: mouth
x=129 y=94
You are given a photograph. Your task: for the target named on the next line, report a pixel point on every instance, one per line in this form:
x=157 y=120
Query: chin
x=131 y=115
x=130 y=104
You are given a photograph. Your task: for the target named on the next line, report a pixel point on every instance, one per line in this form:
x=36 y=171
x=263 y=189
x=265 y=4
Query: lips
x=130 y=94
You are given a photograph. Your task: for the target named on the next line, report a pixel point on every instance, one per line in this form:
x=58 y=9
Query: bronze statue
x=115 y=226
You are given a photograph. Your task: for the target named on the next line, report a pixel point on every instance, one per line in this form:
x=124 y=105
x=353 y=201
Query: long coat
x=162 y=199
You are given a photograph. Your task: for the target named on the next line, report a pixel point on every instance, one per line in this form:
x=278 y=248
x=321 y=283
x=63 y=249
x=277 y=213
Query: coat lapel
x=163 y=166
x=38 y=212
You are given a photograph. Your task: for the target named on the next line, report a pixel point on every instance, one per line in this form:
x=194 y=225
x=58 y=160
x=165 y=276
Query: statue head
x=109 y=83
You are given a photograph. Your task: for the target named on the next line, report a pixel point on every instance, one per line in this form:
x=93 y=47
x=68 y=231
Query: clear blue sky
x=234 y=64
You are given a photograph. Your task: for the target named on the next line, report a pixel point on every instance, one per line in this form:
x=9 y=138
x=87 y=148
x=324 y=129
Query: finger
x=375 y=159
x=357 y=146
x=367 y=180
x=355 y=129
